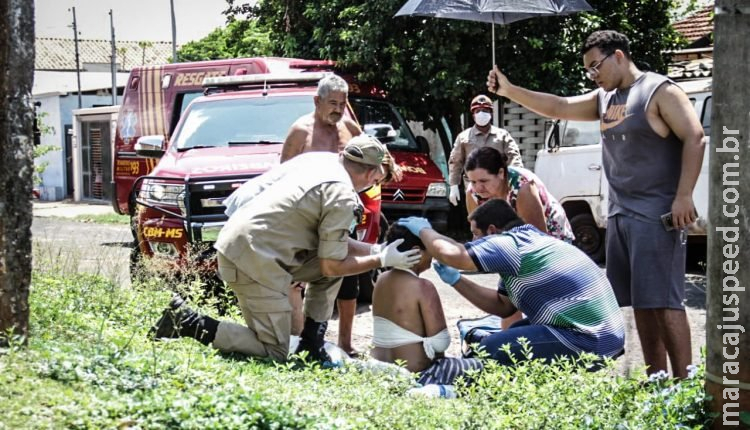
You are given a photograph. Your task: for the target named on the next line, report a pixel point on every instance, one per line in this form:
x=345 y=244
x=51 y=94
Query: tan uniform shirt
x=472 y=138
x=299 y=210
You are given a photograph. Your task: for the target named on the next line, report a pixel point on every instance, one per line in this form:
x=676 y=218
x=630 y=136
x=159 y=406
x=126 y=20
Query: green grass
x=89 y=365
x=104 y=218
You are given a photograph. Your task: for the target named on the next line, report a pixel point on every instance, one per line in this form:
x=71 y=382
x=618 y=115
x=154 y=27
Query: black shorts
x=350 y=286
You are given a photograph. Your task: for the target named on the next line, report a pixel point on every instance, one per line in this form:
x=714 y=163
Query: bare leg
x=347 y=309
x=507 y=322
x=675 y=333
x=654 y=353
x=295 y=299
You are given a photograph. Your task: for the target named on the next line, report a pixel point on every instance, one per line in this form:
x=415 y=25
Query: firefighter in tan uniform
x=481 y=134
x=288 y=225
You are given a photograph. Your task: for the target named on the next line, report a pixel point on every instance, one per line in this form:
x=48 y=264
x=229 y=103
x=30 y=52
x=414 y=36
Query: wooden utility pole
x=16 y=132
x=728 y=307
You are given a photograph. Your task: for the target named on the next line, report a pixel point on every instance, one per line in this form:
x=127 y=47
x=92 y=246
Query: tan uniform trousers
x=267 y=311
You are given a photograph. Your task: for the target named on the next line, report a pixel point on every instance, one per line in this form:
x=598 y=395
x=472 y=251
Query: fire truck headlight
x=437 y=189
x=164 y=194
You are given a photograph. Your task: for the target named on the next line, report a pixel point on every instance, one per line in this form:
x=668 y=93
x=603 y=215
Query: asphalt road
x=105 y=249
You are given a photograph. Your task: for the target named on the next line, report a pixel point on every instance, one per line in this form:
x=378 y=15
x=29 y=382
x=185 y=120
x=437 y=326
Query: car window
x=380 y=119
x=581 y=133
x=240 y=120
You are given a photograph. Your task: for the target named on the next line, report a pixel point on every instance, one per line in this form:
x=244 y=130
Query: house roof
x=59 y=53
x=697 y=25
x=692 y=68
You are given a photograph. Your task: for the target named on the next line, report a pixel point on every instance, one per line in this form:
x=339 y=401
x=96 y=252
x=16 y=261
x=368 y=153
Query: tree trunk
x=16 y=128
x=728 y=307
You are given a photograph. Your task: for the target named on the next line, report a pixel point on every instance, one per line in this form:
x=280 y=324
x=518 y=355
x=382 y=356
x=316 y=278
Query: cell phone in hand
x=666 y=221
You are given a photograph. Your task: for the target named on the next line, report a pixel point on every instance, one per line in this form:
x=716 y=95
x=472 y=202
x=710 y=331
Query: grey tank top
x=643 y=168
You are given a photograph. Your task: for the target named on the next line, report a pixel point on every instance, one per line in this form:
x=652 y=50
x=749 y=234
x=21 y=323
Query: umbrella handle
x=493 y=45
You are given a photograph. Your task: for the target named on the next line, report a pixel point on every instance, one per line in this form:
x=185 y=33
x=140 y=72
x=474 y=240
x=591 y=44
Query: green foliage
x=90 y=365
x=433 y=67
x=240 y=38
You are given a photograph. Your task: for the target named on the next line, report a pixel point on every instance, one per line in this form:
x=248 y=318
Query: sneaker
x=469 y=326
x=168 y=326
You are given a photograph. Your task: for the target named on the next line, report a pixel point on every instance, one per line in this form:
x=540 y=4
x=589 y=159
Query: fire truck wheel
x=137 y=274
x=134 y=227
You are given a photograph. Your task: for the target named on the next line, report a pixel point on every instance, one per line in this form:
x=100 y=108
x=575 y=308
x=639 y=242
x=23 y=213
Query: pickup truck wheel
x=589 y=238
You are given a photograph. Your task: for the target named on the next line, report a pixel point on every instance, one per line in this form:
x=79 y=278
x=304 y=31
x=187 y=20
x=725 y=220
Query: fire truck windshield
x=258 y=120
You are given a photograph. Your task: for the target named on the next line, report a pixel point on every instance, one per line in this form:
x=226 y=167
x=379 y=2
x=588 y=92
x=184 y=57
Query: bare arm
x=294 y=143
x=446 y=250
x=352 y=126
x=351 y=265
x=580 y=108
x=456 y=162
x=529 y=207
x=431 y=308
x=486 y=299
x=677 y=112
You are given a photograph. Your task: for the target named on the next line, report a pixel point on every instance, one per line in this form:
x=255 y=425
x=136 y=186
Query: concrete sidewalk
x=70 y=209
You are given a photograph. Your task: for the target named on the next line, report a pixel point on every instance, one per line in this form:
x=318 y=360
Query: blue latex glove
x=415 y=224
x=448 y=274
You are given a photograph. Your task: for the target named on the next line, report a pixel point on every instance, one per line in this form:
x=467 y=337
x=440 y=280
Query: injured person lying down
x=408 y=320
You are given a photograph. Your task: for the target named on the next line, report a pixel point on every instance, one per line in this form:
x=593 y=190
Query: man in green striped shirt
x=569 y=305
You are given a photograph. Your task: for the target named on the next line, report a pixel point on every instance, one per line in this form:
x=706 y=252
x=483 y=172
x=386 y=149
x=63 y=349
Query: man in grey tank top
x=653 y=147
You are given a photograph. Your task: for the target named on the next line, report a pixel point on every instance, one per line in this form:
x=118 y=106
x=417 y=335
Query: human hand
x=454 y=195
x=448 y=274
x=497 y=83
x=683 y=212
x=415 y=224
x=390 y=256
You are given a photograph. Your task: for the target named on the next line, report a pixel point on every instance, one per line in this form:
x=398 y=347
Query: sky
x=147 y=20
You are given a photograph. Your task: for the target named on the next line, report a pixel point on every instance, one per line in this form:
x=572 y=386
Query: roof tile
x=59 y=53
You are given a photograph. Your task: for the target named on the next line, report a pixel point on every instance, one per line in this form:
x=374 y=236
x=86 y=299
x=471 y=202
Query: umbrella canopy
x=491 y=11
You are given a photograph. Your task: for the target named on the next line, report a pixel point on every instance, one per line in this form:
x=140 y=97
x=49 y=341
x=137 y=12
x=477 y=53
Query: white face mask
x=482 y=118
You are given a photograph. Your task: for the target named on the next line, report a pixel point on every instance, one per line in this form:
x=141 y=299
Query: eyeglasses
x=593 y=71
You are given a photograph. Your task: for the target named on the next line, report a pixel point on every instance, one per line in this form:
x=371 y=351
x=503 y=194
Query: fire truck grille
x=206 y=198
x=401 y=194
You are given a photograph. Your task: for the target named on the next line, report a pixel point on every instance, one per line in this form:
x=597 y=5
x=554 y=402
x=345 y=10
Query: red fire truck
x=179 y=153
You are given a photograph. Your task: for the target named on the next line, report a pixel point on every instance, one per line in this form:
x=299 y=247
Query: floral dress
x=557 y=223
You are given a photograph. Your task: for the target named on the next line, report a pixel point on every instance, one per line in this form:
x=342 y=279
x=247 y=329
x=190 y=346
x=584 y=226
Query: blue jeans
x=540 y=339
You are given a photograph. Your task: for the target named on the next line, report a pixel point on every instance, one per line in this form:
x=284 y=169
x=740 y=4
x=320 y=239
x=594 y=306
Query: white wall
x=53 y=178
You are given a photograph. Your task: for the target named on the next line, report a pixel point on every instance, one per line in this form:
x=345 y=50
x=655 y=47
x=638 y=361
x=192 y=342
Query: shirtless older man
x=324 y=129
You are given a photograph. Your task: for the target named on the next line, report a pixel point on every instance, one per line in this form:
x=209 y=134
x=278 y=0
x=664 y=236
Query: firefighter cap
x=481 y=101
x=366 y=149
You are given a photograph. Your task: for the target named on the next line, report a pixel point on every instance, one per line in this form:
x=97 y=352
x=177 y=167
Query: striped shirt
x=556 y=285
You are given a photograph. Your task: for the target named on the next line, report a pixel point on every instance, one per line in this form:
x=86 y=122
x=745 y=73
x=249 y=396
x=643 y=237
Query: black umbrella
x=492 y=11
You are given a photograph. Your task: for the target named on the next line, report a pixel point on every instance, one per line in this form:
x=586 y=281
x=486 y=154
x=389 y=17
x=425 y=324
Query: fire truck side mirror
x=150 y=146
